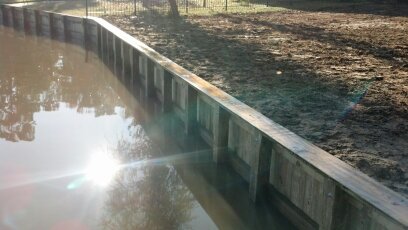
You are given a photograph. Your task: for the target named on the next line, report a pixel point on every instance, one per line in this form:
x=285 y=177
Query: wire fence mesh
x=115 y=7
x=134 y=7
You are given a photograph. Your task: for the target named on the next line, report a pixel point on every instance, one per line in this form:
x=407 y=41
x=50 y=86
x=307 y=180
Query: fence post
x=226 y=5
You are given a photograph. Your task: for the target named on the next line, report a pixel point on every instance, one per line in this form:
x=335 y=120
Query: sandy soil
x=338 y=79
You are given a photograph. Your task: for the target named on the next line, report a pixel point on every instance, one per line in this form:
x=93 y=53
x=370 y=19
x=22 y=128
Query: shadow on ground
x=331 y=85
x=391 y=8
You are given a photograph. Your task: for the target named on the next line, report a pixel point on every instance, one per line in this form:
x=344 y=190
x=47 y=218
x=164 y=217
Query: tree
x=174 y=8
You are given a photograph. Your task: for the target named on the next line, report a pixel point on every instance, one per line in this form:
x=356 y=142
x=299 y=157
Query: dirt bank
x=339 y=80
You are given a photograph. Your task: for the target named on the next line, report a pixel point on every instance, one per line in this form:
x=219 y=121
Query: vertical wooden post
x=66 y=31
x=85 y=30
x=135 y=67
x=132 y=70
x=220 y=134
x=127 y=65
x=118 y=58
x=260 y=165
x=129 y=62
x=13 y=16
x=5 y=16
x=38 y=22
x=52 y=27
x=149 y=79
x=115 y=55
x=99 y=41
x=108 y=50
x=191 y=111
x=167 y=87
x=123 y=62
x=1 y=15
x=329 y=193
x=104 y=41
x=167 y=101
x=25 y=21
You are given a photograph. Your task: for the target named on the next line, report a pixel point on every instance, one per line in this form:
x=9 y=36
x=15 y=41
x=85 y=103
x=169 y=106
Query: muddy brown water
x=75 y=154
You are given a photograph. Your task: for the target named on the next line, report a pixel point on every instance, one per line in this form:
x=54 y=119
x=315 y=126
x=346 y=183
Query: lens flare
x=101 y=169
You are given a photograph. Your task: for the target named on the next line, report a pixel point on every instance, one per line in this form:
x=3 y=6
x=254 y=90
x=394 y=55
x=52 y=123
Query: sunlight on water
x=101 y=169
x=74 y=153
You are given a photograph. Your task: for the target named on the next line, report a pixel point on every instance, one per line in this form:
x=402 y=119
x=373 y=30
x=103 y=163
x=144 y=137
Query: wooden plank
x=167 y=91
x=111 y=51
x=179 y=93
x=52 y=26
x=143 y=69
x=135 y=68
x=100 y=43
x=158 y=82
x=220 y=135
x=307 y=208
x=273 y=167
x=104 y=44
x=329 y=193
x=288 y=177
x=149 y=87
x=296 y=195
x=58 y=27
x=242 y=139
x=318 y=200
x=1 y=15
x=379 y=221
x=117 y=55
x=292 y=213
x=191 y=131
x=280 y=169
x=239 y=166
x=18 y=18
x=127 y=65
x=205 y=115
x=122 y=63
x=191 y=107
x=38 y=22
x=259 y=173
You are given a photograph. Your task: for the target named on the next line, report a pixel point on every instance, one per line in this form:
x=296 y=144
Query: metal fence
x=134 y=7
x=115 y=7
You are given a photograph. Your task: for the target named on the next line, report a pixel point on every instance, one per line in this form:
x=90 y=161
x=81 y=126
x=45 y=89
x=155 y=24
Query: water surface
x=75 y=154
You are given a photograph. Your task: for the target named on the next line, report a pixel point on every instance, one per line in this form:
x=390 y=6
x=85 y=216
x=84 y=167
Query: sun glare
x=101 y=169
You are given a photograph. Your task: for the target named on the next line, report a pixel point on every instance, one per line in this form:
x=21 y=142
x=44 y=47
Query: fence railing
x=134 y=7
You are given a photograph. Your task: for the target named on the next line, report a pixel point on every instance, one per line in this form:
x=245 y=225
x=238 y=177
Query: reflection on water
x=149 y=195
x=75 y=155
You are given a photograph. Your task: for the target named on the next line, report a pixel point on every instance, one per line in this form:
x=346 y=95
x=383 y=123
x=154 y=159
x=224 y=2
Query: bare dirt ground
x=336 y=76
